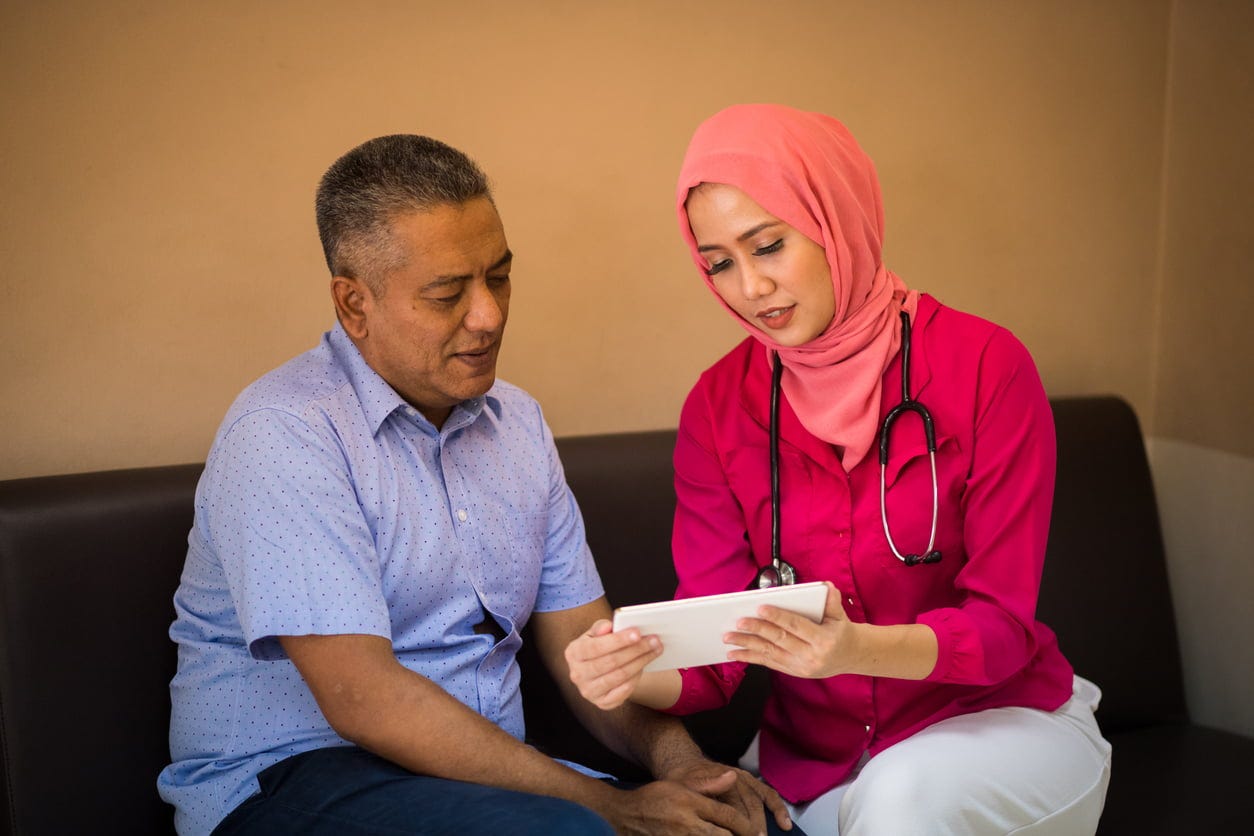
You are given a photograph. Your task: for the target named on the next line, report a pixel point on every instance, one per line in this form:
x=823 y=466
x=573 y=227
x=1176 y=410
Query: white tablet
x=692 y=629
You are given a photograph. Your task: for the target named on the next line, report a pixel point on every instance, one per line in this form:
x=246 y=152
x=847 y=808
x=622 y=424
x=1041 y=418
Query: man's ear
x=350 y=298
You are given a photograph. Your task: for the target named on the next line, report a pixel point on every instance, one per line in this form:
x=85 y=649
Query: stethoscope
x=780 y=572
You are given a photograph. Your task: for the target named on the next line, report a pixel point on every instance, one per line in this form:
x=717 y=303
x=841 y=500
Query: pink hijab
x=807 y=170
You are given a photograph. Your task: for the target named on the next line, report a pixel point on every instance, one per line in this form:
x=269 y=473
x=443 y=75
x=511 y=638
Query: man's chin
x=479 y=384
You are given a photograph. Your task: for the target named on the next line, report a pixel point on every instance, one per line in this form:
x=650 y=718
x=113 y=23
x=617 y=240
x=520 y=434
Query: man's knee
x=556 y=817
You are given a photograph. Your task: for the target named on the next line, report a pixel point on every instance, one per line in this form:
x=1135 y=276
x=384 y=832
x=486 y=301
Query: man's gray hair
x=364 y=190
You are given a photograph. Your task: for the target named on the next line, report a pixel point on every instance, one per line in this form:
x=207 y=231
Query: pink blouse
x=995 y=466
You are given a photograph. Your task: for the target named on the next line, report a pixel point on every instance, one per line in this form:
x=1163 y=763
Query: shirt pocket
x=511 y=583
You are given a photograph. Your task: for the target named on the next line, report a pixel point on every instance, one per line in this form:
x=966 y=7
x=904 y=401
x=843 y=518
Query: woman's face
x=766 y=271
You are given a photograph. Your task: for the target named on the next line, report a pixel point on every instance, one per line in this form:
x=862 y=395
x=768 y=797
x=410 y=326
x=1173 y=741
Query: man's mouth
x=477 y=358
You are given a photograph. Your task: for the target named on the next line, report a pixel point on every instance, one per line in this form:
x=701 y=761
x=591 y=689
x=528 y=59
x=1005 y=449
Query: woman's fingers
x=605 y=666
x=775 y=633
x=788 y=642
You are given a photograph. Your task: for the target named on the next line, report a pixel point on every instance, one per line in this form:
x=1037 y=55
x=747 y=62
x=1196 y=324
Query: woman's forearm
x=900 y=651
x=658 y=689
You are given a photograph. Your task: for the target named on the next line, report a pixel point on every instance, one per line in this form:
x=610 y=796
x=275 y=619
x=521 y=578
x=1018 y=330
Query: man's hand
x=735 y=787
x=693 y=794
x=670 y=807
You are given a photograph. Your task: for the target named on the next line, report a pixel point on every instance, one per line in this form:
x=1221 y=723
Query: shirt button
x=868 y=729
x=850 y=600
x=461 y=514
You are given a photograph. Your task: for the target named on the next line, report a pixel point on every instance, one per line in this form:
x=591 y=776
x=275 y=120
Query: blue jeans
x=347 y=791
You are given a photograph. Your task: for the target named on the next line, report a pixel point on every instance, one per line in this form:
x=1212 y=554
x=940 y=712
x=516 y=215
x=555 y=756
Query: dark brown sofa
x=88 y=564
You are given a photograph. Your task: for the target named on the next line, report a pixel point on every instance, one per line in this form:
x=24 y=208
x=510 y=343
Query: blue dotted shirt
x=328 y=505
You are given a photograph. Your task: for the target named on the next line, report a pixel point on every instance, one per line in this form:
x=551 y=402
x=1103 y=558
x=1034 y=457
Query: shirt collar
x=379 y=400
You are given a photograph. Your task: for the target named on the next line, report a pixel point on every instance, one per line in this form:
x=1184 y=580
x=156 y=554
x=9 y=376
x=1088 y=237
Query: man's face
x=434 y=331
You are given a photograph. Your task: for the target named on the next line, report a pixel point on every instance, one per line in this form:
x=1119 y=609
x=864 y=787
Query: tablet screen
x=691 y=629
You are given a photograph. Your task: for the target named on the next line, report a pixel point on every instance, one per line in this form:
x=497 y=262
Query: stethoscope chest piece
x=775 y=574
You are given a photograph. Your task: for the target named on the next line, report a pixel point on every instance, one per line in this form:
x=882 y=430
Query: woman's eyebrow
x=748 y=233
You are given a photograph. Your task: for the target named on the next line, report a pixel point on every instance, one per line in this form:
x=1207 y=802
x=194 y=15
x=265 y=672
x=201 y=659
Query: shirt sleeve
x=1006 y=511
x=708 y=543
x=281 y=514
x=569 y=578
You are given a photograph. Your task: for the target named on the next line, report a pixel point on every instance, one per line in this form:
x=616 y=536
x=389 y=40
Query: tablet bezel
x=692 y=629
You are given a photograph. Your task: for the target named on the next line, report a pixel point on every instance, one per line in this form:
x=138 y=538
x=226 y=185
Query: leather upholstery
x=89 y=562
x=88 y=565
x=1105 y=588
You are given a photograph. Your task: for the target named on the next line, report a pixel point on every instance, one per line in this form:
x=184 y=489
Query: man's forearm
x=440 y=736
x=378 y=704
x=658 y=742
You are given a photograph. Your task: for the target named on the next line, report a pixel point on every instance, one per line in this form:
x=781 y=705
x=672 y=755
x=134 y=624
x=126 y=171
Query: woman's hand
x=606 y=666
x=793 y=644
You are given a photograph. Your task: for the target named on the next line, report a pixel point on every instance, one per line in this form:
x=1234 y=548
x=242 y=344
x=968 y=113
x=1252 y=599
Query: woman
x=929 y=699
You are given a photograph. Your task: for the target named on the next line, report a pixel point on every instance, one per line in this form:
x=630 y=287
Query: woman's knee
x=920 y=796
x=903 y=797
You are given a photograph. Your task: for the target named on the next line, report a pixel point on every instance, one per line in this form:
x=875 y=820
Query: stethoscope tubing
x=779 y=571
x=908 y=404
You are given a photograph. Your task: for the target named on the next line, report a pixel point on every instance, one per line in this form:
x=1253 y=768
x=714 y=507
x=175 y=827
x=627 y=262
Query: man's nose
x=486 y=311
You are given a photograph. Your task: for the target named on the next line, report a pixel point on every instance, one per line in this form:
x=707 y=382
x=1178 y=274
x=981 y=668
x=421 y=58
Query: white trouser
x=998 y=771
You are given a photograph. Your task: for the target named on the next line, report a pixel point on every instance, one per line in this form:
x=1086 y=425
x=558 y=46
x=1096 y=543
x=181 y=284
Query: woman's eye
x=770 y=248
x=718 y=266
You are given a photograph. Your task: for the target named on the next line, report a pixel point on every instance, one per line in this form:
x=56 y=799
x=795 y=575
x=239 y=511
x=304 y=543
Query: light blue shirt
x=329 y=505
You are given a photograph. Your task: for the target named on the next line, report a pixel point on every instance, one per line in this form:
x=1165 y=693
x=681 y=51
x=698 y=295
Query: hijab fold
x=807 y=170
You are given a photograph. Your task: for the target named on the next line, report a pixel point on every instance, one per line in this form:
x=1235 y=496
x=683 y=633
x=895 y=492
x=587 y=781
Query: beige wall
x=1203 y=453
x=1077 y=171
x=1205 y=350
x=160 y=160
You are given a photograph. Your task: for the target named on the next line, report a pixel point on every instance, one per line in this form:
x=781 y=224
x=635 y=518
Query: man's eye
x=499 y=280
x=770 y=248
x=718 y=266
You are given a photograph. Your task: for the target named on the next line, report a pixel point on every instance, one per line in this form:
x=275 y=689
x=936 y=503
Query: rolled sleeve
x=1006 y=525
x=569 y=577
x=284 y=521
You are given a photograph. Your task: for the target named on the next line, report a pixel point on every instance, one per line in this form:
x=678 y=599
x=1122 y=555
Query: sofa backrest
x=89 y=563
x=1105 y=591
x=88 y=567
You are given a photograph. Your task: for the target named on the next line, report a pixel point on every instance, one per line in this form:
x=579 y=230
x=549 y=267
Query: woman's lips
x=776 y=318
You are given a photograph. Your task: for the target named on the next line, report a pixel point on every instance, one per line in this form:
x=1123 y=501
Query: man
x=377 y=520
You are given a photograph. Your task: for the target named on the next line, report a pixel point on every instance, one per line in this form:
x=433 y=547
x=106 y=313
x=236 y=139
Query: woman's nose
x=754 y=284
